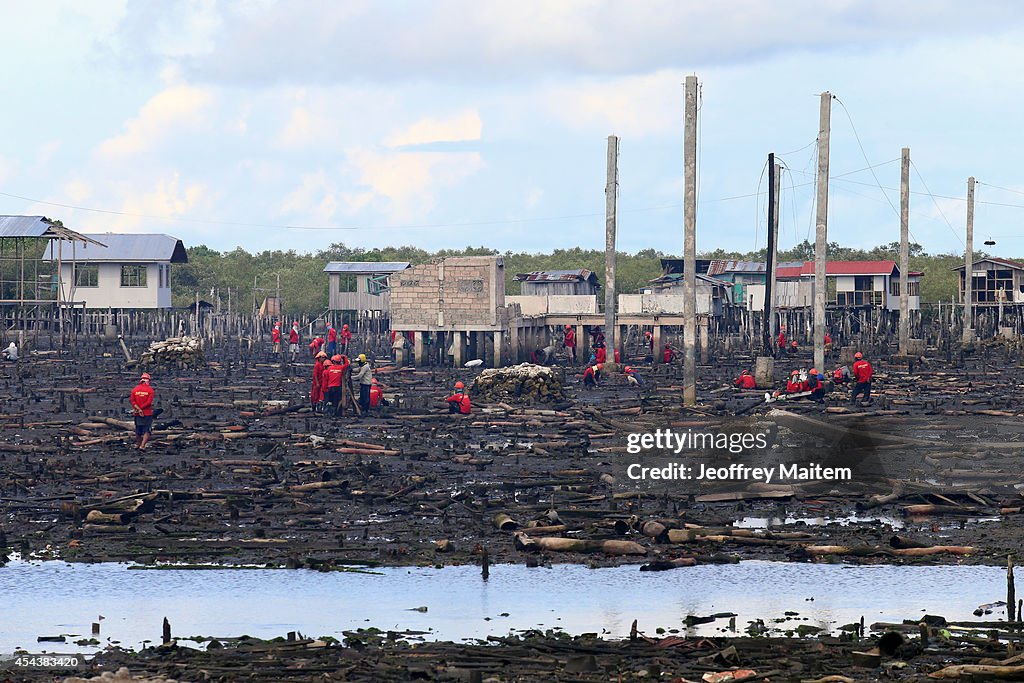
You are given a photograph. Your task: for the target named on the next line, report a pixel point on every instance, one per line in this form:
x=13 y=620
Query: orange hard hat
x=795 y=372
x=793 y=343
x=858 y=355
x=328 y=362
x=322 y=353
x=628 y=369
x=295 y=323
x=460 y=385
x=814 y=371
x=145 y=377
x=568 y=327
x=336 y=358
x=599 y=366
x=745 y=372
x=345 y=326
x=374 y=380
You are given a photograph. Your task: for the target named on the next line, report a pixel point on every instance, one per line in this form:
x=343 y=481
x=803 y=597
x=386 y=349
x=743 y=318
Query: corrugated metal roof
x=365 y=266
x=579 y=275
x=720 y=266
x=806 y=268
x=36 y=226
x=994 y=259
x=125 y=248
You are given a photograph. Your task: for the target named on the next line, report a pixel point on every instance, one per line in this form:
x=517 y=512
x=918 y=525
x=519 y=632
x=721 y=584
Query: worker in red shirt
x=332 y=340
x=316 y=346
x=377 y=394
x=335 y=373
x=346 y=338
x=591 y=376
x=668 y=354
x=570 y=343
x=828 y=343
x=649 y=340
x=782 y=338
x=459 y=401
x=793 y=347
x=293 y=340
x=316 y=394
x=815 y=385
x=601 y=354
x=862 y=373
x=142 y=398
x=746 y=380
x=275 y=339
x=795 y=385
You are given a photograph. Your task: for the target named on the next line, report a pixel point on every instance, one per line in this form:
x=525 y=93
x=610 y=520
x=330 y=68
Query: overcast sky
x=466 y=122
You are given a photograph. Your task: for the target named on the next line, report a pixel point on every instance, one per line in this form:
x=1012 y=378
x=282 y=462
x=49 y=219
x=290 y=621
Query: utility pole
x=969 y=266
x=690 y=244
x=773 y=233
x=904 y=251
x=611 y=193
x=774 y=251
x=821 y=231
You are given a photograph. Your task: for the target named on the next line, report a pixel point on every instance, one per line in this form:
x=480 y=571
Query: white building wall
x=844 y=283
x=539 y=304
x=110 y=294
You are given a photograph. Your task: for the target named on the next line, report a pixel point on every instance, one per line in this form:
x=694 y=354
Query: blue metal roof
x=371 y=267
x=125 y=248
x=36 y=226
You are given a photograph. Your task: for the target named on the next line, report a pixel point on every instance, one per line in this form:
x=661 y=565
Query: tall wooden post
x=821 y=231
x=968 y=334
x=611 y=193
x=767 y=331
x=904 y=251
x=690 y=244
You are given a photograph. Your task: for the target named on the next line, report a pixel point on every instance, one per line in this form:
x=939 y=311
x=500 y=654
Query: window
x=133 y=276
x=87 y=275
x=914 y=288
x=163 y=274
x=347 y=282
x=894 y=287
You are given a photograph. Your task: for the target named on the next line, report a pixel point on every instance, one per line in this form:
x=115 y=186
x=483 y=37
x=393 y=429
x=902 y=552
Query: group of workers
x=812 y=383
x=334 y=344
x=794 y=347
x=331 y=375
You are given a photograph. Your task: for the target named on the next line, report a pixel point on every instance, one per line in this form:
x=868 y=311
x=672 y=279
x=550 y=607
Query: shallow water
x=52 y=598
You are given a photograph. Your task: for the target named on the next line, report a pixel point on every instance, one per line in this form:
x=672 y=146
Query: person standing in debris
x=316 y=394
x=346 y=338
x=570 y=343
x=668 y=355
x=142 y=398
x=332 y=340
x=828 y=343
x=275 y=338
x=335 y=373
x=600 y=353
x=459 y=401
x=11 y=352
x=293 y=341
x=591 y=376
x=862 y=372
x=746 y=380
x=649 y=342
x=782 y=338
x=363 y=375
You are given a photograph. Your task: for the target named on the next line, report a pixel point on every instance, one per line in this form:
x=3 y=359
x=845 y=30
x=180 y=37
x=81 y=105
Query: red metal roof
x=839 y=268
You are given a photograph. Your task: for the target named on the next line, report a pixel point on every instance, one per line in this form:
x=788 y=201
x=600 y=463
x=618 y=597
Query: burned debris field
x=242 y=473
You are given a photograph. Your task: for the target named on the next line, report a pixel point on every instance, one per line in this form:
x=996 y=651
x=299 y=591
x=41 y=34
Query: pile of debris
x=176 y=352
x=524 y=382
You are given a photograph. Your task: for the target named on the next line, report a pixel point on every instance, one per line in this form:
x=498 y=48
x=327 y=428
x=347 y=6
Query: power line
x=865 y=155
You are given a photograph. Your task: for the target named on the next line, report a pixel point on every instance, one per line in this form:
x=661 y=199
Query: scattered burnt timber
x=242 y=471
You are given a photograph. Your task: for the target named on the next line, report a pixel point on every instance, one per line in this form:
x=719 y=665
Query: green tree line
x=210 y=273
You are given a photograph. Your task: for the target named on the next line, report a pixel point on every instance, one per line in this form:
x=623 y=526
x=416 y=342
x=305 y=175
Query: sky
x=452 y=123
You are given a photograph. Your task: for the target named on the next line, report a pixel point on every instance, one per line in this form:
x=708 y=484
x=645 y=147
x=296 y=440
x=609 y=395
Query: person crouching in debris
x=316 y=394
x=815 y=385
x=142 y=398
x=862 y=373
x=316 y=346
x=841 y=376
x=794 y=348
x=459 y=401
x=364 y=375
x=668 y=354
x=745 y=380
x=796 y=384
x=335 y=372
x=634 y=378
x=377 y=395
x=542 y=356
x=10 y=353
x=591 y=376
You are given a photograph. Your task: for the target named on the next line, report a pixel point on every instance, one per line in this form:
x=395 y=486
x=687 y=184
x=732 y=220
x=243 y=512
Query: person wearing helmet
x=275 y=338
x=794 y=348
x=364 y=375
x=570 y=343
x=293 y=341
x=634 y=378
x=335 y=374
x=142 y=398
x=591 y=376
x=332 y=340
x=377 y=395
x=815 y=385
x=346 y=338
x=316 y=346
x=795 y=385
x=459 y=401
x=782 y=339
x=862 y=372
x=841 y=375
x=668 y=354
x=316 y=393
x=649 y=341
x=745 y=380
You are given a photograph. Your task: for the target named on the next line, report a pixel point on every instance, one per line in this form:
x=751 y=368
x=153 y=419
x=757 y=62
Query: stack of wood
x=524 y=382
x=176 y=352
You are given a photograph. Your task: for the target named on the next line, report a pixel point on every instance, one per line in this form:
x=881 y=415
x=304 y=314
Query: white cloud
x=464 y=126
x=6 y=170
x=169 y=197
x=180 y=106
x=631 y=106
x=315 y=197
x=77 y=191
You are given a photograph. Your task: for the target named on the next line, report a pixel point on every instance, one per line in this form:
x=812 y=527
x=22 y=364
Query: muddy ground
x=241 y=471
